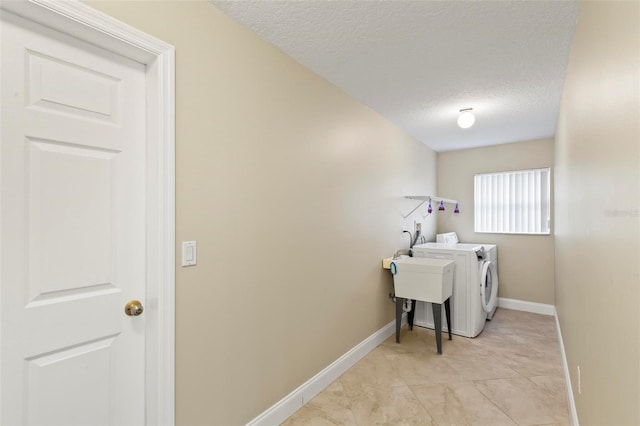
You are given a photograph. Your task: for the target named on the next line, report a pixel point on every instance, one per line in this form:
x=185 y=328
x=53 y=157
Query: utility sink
x=419 y=278
x=427 y=280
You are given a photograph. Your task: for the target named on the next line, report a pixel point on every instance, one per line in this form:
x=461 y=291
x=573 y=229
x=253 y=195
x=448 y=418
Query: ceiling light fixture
x=466 y=118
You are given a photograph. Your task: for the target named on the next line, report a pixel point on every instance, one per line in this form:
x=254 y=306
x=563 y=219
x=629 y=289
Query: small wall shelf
x=424 y=198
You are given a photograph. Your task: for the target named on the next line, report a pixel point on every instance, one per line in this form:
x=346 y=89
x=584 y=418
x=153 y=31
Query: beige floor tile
x=460 y=345
x=533 y=363
x=553 y=385
x=567 y=423
x=479 y=365
x=524 y=320
x=517 y=339
x=459 y=404
x=393 y=406
x=374 y=370
x=330 y=407
x=417 y=340
x=333 y=398
x=423 y=368
x=527 y=356
x=511 y=372
x=533 y=330
x=523 y=401
x=310 y=415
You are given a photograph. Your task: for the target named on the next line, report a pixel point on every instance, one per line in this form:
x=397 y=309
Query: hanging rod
x=424 y=199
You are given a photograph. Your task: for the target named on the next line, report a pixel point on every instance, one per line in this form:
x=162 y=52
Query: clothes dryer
x=475 y=285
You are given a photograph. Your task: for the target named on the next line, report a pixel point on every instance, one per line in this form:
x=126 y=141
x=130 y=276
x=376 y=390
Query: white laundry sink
x=425 y=279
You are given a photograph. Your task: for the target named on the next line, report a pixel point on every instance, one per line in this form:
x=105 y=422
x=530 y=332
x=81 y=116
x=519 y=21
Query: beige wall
x=293 y=191
x=598 y=213
x=525 y=262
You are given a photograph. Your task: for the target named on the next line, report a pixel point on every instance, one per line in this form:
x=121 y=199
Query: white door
x=72 y=187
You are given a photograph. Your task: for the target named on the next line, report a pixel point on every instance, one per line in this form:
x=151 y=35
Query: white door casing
x=87 y=220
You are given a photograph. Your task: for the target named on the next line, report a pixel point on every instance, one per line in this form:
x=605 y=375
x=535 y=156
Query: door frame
x=87 y=24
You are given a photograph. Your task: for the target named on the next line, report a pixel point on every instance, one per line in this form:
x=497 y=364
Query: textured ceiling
x=418 y=63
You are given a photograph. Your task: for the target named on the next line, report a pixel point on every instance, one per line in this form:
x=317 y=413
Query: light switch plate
x=189 y=253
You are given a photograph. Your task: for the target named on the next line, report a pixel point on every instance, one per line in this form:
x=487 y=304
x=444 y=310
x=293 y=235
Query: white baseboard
x=291 y=403
x=523 y=305
x=573 y=413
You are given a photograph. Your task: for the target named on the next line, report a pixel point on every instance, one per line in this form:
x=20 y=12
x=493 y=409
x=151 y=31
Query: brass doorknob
x=133 y=308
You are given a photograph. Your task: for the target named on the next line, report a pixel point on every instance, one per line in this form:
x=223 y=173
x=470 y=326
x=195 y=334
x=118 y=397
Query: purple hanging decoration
x=441 y=207
x=456 y=210
x=429 y=209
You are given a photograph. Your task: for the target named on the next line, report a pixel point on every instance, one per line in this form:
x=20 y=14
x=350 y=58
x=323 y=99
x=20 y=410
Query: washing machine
x=475 y=284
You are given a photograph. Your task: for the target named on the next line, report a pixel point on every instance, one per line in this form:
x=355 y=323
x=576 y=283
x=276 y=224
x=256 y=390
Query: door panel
x=72 y=180
x=89 y=391
x=64 y=87
x=69 y=201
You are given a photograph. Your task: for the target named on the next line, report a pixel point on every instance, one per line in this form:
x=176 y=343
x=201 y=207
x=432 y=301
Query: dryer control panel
x=447 y=238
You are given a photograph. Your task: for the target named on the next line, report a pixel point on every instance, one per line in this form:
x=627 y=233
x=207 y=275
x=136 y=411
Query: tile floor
x=509 y=375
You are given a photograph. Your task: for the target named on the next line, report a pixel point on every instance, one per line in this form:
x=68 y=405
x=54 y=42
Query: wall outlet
x=579 y=382
x=418 y=226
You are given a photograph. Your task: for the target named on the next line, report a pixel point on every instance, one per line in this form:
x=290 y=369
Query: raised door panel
x=50 y=387
x=70 y=214
x=62 y=87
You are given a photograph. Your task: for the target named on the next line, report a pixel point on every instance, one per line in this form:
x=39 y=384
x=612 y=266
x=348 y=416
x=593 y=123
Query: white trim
x=523 y=305
x=291 y=403
x=83 y=22
x=567 y=377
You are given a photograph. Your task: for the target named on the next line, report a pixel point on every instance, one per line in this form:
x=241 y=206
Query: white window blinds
x=515 y=202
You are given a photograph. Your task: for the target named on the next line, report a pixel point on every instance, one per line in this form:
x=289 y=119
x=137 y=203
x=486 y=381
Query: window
x=515 y=202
